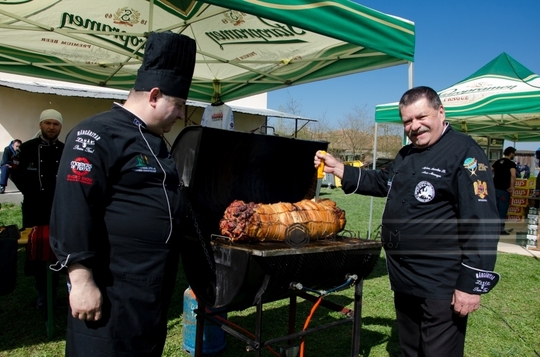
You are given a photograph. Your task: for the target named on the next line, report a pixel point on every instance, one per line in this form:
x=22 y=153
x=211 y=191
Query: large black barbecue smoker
x=219 y=166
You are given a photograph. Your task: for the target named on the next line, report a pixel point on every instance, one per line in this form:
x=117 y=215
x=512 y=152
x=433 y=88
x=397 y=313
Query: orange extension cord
x=306 y=324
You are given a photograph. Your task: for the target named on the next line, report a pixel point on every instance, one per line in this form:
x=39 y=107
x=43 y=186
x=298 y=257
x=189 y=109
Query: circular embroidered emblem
x=81 y=166
x=424 y=191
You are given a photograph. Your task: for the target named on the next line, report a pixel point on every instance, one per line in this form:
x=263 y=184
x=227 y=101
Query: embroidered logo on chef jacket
x=485 y=281
x=471 y=164
x=433 y=171
x=424 y=191
x=480 y=189
x=31 y=167
x=80 y=168
x=85 y=144
x=142 y=164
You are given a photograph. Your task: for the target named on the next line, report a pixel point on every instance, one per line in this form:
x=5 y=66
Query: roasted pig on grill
x=245 y=222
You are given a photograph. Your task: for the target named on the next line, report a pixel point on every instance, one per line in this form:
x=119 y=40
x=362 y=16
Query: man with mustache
x=35 y=177
x=439 y=226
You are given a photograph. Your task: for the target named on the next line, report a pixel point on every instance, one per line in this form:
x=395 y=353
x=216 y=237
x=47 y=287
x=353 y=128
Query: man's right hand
x=331 y=164
x=85 y=297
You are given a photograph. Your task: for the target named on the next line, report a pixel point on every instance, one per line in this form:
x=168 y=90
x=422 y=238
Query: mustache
x=419 y=131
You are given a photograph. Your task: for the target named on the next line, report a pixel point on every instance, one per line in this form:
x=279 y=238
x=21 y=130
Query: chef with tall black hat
x=115 y=224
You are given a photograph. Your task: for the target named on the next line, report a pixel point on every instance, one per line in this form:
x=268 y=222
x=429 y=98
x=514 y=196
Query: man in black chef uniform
x=439 y=226
x=115 y=225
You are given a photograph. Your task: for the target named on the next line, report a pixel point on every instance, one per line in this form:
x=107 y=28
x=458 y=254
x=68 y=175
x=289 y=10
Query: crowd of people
x=116 y=213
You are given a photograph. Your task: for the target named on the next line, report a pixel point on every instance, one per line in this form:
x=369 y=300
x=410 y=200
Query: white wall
x=19 y=117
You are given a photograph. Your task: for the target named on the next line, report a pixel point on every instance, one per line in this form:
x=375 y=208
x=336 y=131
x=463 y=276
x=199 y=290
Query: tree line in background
x=350 y=138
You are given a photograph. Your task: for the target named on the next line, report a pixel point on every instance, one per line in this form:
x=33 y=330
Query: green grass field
x=507 y=324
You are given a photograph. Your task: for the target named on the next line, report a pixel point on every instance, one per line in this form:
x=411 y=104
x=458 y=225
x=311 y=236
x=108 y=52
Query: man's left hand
x=465 y=303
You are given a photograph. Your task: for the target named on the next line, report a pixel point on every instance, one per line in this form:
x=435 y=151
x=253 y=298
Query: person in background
x=117 y=215
x=9 y=159
x=519 y=169
x=526 y=171
x=35 y=177
x=439 y=226
x=504 y=178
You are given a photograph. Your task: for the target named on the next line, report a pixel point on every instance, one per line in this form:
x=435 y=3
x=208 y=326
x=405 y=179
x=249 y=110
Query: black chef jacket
x=117 y=194
x=440 y=222
x=35 y=177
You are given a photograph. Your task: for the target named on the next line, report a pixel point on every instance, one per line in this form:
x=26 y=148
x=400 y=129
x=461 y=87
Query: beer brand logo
x=126 y=16
x=480 y=189
x=129 y=18
x=479 y=85
x=233 y=17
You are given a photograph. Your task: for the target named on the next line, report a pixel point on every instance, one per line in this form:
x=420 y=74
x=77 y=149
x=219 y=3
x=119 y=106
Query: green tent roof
x=501 y=100
x=250 y=47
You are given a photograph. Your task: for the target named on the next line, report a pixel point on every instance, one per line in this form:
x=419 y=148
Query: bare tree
x=355 y=132
x=352 y=140
x=305 y=130
x=389 y=140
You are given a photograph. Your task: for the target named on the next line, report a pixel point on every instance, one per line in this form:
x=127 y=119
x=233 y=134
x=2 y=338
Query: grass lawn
x=508 y=323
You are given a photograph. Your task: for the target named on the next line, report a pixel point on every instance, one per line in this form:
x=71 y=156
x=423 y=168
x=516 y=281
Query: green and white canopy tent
x=250 y=47
x=500 y=100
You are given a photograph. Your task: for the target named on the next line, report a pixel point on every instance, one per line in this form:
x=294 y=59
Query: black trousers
x=429 y=327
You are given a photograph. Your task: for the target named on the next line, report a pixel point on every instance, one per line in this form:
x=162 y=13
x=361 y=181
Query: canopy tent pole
x=374 y=165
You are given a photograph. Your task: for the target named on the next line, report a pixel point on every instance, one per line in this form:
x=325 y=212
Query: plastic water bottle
x=213 y=335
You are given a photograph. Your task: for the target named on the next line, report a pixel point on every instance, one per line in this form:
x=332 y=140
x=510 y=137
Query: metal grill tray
x=245 y=273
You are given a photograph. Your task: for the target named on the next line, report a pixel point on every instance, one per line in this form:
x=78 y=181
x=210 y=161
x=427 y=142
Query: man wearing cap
x=35 y=177
x=116 y=219
x=504 y=178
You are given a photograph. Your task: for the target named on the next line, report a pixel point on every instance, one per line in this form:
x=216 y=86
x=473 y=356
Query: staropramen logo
x=126 y=16
x=268 y=32
x=233 y=17
x=123 y=17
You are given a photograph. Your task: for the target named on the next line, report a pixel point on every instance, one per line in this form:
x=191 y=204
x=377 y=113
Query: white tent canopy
x=500 y=100
x=250 y=47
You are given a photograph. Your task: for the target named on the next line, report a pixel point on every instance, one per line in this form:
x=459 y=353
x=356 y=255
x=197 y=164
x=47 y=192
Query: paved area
x=507 y=243
x=517 y=249
x=11 y=195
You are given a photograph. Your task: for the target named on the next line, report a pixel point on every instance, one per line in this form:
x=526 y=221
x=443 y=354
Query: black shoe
x=2 y=189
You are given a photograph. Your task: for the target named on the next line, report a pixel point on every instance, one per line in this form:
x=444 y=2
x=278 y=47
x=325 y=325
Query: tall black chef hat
x=168 y=63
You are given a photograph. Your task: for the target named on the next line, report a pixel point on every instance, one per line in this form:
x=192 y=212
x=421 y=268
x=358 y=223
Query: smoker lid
x=219 y=166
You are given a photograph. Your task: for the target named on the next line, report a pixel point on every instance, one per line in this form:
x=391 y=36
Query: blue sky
x=453 y=40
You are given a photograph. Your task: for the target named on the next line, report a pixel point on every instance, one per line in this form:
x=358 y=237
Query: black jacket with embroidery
x=440 y=222
x=116 y=194
x=35 y=177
